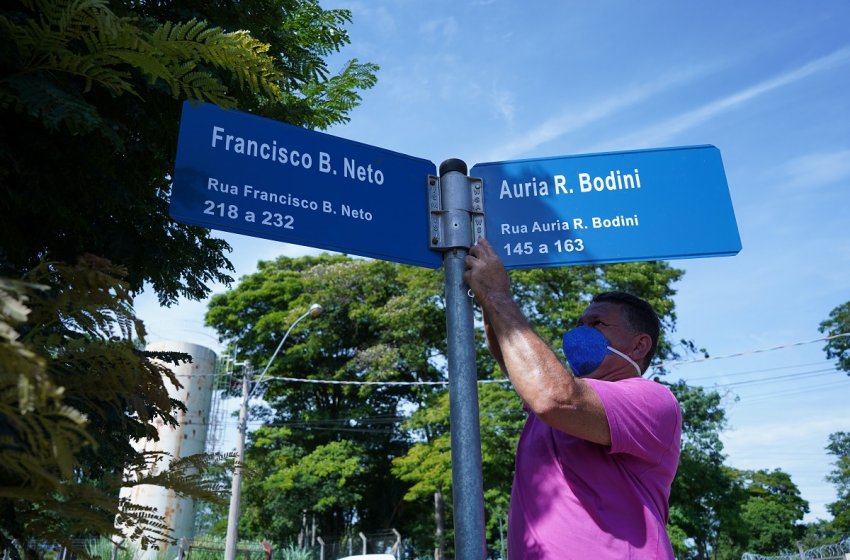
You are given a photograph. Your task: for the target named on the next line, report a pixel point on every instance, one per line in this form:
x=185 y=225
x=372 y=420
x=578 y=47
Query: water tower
x=189 y=437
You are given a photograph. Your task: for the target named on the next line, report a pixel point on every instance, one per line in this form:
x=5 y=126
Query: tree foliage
x=839 y=447
x=302 y=35
x=706 y=496
x=90 y=95
x=717 y=511
x=773 y=511
x=381 y=322
x=838 y=324
x=427 y=464
x=74 y=393
x=288 y=478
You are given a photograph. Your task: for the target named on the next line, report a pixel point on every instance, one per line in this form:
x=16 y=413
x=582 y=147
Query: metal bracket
x=444 y=222
x=476 y=185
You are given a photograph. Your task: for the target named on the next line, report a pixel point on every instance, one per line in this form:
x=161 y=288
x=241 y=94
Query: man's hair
x=639 y=315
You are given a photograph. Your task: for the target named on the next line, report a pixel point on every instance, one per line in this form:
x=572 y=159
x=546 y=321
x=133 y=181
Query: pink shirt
x=572 y=499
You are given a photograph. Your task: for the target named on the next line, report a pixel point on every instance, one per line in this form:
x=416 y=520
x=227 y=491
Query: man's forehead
x=600 y=309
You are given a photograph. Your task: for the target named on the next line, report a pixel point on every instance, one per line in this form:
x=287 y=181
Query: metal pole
x=397 y=545
x=314 y=310
x=467 y=483
x=232 y=536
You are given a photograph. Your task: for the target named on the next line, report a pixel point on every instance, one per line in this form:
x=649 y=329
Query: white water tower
x=187 y=438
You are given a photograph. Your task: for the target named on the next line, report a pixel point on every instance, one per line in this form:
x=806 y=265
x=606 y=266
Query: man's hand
x=486 y=275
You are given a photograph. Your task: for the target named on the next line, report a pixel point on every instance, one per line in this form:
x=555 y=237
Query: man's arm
x=493 y=343
x=548 y=388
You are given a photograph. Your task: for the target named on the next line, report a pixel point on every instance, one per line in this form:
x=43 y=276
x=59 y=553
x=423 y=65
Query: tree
x=382 y=322
x=303 y=35
x=839 y=442
x=427 y=465
x=288 y=478
x=818 y=533
x=839 y=446
x=706 y=496
x=64 y=446
x=773 y=511
x=717 y=511
x=90 y=94
x=839 y=347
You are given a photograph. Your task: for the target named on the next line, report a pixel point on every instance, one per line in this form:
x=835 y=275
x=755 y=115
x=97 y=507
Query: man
x=600 y=448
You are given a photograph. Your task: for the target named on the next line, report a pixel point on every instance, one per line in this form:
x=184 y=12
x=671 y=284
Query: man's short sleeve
x=643 y=415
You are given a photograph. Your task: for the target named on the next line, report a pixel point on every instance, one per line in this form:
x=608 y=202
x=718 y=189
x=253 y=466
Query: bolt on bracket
x=462 y=225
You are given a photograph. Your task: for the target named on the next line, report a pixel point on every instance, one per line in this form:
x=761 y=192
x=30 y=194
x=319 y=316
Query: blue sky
x=767 y=83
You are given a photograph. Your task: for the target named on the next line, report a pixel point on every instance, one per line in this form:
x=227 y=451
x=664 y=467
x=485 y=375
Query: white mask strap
x=631 y=361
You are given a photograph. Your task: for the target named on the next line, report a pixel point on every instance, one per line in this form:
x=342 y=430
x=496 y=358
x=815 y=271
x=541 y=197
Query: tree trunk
x=440 y=521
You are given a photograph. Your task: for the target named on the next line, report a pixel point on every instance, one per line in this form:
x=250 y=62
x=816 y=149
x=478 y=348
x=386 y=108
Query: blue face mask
x=586 y=347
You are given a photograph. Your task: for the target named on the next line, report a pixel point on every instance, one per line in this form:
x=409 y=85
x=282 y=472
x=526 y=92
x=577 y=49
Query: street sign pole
x=454 y=236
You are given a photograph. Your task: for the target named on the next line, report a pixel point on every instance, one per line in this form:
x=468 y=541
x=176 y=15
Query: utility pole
x=236 y=487
x=232 y=536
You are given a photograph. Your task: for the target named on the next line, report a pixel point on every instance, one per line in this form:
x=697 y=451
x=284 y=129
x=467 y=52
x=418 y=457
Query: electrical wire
x=670 y=364
x=790 y=376
x=749 y=352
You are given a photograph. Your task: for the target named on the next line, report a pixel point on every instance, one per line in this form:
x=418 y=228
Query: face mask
x=586 y=347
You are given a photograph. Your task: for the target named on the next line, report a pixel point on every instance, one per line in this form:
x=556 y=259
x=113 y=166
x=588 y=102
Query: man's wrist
x=498 y=298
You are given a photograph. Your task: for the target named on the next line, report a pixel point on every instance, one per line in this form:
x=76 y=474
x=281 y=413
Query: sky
x=767 y=83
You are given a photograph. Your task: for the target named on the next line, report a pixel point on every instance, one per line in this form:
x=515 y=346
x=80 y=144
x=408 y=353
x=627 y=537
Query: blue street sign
x=246 y=174
x=612 y=207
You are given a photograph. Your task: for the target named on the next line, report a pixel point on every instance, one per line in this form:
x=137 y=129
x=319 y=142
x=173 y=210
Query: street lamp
x=236 y=488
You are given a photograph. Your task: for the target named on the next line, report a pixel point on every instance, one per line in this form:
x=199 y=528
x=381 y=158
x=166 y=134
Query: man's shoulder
x=633 y=384
x=646 y=392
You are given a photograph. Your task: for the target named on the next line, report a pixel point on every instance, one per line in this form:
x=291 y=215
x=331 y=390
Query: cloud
x=377 y=17
x=572 y=119
x=773 y=434
x=442 y=29
x=504 y=102
x=662 y=133
x=814 y=170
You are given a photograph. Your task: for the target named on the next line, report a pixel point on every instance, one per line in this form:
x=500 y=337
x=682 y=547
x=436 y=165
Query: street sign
x=611 y=207
x=246 y=174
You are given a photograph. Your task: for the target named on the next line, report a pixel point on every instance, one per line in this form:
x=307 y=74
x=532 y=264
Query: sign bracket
x=460 y=221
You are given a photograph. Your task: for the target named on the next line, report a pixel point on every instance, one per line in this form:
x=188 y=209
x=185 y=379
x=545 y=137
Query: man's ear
x=640 y=347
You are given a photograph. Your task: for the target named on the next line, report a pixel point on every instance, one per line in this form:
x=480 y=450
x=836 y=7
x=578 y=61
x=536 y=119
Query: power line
x=790 y=376
x=772 y=396
x=506 y=380
x=752 y=371
x=748 y=352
